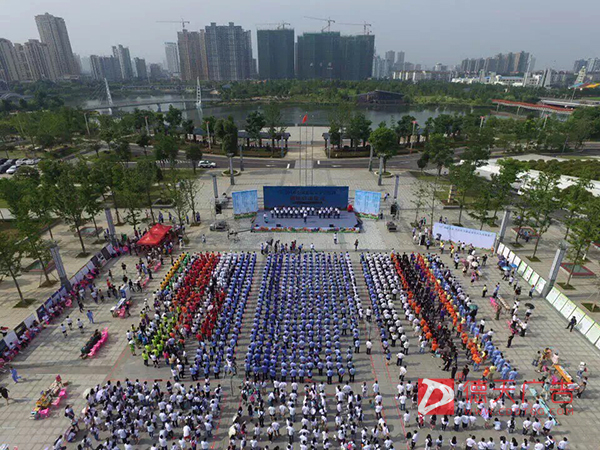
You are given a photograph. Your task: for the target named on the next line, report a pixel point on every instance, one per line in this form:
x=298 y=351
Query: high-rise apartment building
x=9 y=66
x=53 y=33
x=275 y=53
x=139 y=65
x=319 y=55
x=172 y=56
x=40 y=61
x=192 y=55
x=399 y=61
x=105 y=67
x=329 y=55
x=357 y=56
x=390 y=56
x=229 y=52
x=22 y=63
x=122 y=55
x=502 y=64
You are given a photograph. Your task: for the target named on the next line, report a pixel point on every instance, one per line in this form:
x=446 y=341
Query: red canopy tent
x=155 y=235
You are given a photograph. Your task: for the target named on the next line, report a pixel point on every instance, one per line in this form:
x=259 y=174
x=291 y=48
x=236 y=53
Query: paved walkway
x=52 y=354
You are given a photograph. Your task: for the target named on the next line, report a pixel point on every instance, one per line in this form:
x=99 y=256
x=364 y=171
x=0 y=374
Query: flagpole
x=300 y=158
x=312 y=157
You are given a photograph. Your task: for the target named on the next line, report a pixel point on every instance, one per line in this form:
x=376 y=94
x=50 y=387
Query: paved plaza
x=52 y=353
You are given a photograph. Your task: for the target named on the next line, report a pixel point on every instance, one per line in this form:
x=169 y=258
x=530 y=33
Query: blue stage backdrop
x=317 y=196
x=245 y=202
x=367 y=202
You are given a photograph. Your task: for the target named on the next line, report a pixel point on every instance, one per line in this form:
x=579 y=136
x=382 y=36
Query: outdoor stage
x=347 y=223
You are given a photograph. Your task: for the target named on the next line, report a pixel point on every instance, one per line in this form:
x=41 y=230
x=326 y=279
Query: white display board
x=541 y=284
x=568 y=309
x=593 y=333
x=560 y=302
x=553 y=295
x=477 y=238
x=501 y=248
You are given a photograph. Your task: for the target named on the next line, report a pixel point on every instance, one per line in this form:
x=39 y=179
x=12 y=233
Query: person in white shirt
x=562 y=445
x=538 y=445
x=470 y=443
x=482 y=445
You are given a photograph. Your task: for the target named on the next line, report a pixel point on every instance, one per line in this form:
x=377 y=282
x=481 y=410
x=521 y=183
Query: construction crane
x=329 y=21
x=365 y=26
x=182 y=22
x=280 y=25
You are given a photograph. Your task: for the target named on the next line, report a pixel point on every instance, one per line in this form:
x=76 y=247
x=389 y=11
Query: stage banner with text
x=316 y=196
x=477 y=238
x=245 y=202
x=367 y=202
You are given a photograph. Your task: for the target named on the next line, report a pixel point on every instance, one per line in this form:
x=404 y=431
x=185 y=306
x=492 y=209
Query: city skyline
x=539 y=27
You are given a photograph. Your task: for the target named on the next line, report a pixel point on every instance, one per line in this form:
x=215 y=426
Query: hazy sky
x=556 y=31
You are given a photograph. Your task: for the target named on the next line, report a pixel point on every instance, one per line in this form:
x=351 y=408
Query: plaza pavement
x=51 y=353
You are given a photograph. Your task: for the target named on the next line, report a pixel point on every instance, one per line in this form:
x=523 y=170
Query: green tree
x=420 y=195
x=483 y=203
x=123 y=150
x=11 y=256
x=574 y=199
x=69 y=204
x=191 y=188
x=173 y=117
x=384 y=143
x=274 y=122
x=143 y=141
x=91 y=190
x=111 y=179
x=148 y=175
x=193 y=153
x=359 y=129
x=543 y=197
x=585 y=231
x=464 y=178
x=188 y=127
x=229 y=136
x=255 y=122
x=178 y=198
x=166 y=148
x=208 y=125
x=131 y=194
x=441 y=156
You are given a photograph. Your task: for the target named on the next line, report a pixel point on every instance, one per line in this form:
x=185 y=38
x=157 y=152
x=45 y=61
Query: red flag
x=305 y=118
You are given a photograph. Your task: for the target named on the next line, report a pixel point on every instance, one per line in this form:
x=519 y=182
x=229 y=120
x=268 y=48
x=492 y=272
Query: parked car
x=30 y=162
x=12 y=169
x=4 y=168
x=204 y=164
x=20 y=162
x=3 y=160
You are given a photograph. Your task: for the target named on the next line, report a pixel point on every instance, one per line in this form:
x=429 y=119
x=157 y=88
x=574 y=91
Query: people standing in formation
x=206 y=300
x=307 y=306
x=302 y=212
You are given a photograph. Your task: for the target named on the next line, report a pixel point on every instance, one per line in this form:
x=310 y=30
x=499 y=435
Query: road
x=400 y=162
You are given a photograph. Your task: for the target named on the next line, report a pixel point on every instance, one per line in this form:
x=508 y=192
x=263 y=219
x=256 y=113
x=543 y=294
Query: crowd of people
x=307 y=304
x=304 y=338
x=122 y=415
x=205 y=300
x=302 y=212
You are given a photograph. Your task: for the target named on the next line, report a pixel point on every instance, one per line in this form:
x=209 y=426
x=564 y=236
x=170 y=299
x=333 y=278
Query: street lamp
x=414 y=122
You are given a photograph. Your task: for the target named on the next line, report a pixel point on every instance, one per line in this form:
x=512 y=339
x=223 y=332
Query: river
x=318 y=115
